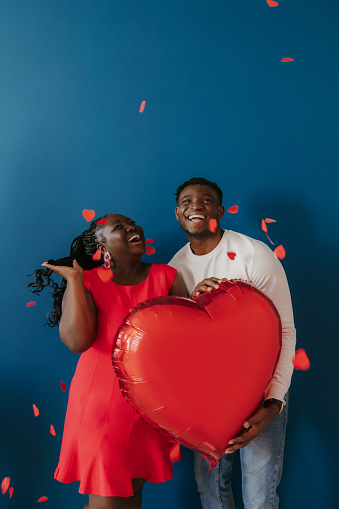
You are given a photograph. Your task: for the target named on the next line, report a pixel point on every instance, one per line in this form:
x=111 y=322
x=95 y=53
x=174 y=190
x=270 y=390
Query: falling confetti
x=231 y=255
x=30 y=304
x=279 y=252
x=5 y=484
x=52 y=430
x=234 y=209
x=43 y=499
x=97 y=255
x=150 y=250
x=10 y=491
x=300 y=360
x=212 y=225
x=63 y=386
x=102 y=221
x=142 y=106
x=272 y=3
x=35 y=410
x=269 y=239
x=149 y=241
x=287 y=60
x=88 y=214
x=105 y=274
x=263 y=225
x=268 y=220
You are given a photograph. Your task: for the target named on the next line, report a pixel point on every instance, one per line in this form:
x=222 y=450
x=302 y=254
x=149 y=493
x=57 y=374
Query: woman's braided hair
x=82 y=250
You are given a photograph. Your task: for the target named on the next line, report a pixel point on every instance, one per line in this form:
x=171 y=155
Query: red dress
x=105 y=442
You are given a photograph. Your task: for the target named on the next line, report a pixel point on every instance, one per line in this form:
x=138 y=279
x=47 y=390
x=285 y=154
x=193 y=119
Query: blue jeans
x=261 y=468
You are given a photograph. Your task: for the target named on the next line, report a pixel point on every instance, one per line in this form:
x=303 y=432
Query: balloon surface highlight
x=196 y=370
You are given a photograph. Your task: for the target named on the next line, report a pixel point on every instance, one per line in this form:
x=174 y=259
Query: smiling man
x=211 y=255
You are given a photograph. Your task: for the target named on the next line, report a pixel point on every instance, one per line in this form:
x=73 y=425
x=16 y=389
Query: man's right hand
x=207 y=285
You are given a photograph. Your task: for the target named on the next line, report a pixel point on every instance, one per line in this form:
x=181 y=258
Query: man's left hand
x=253 y=427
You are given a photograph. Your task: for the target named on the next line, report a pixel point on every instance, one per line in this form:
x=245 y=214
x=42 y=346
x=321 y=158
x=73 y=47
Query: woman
x=106 y=445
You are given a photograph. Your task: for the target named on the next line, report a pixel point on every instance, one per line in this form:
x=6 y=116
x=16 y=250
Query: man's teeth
x=196 y=216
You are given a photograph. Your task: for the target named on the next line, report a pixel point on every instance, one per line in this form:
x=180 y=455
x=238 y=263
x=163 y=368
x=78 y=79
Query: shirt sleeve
x=87 y=281
x=268 y=275
x=170 y=274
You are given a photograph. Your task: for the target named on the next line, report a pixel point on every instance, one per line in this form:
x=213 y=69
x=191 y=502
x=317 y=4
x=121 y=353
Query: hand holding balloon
x=207 y=285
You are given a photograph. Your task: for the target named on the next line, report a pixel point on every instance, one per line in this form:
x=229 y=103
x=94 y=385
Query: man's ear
x=221 y=211
x=177 y=213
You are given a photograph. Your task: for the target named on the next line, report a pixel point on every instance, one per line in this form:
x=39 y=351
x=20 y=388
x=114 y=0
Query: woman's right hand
x=64 y=271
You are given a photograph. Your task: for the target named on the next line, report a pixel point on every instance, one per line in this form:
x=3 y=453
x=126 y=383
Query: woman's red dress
x=105 y=442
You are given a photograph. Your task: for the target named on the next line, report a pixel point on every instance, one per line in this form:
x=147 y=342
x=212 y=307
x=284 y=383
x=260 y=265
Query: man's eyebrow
x=190 y=196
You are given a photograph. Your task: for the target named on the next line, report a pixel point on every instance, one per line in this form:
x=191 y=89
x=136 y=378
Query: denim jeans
x=261 y=469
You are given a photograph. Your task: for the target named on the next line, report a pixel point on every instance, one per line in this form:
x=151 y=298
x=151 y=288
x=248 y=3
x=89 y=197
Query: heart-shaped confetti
x=150 y=250
x=268 y=220
x=272 y=3
x=97 y=255
x=52 y=430
x=5 y=484
x=35 y=410
x=63 y=386
x=263 y=225
x=88 y=214
x=105 y=274
x=212 y=225
x=300 y=360
x=43 y=499
x=287 y=60
x=231 y=255
x=10 y=491
x=102 y=221
x=234 y=209
x=142 y=106
x=149 y=241
x=30 y=304
x=279 y=252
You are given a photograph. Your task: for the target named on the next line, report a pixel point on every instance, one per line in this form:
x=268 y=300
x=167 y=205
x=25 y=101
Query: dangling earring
x=107 y=260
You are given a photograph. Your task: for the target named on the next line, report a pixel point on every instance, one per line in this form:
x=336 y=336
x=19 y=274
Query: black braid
x=82 y=249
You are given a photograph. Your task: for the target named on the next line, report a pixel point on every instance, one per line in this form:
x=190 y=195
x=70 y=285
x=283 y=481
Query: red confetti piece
x=263 y=225
x=150 y=250
x=35 y=410
x=102 y=221
x=234 y=209
x=97 y=255
x=287 y=60
x=10 y=491
x=52 y=430
x=268 y=220
x=279 y=252
x=269 y=239
x=272 y=3
x=43 y=499
x=300 y=360
x=231 y=255
x=29 y=304
x=142 y=106
x=63 y=386
x=5 y=484
x=105 y=274
x=88 y=214
x=149 y=241
x=212 y=225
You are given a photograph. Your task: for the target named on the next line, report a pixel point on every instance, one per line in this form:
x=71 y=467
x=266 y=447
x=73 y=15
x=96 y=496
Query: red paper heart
x=88 y=214
x=231 y=255
x=196 y=370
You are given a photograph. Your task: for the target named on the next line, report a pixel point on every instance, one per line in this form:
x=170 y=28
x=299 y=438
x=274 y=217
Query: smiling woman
x=106 y=445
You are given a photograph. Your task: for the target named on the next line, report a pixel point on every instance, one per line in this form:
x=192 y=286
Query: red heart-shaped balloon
x=196 y=370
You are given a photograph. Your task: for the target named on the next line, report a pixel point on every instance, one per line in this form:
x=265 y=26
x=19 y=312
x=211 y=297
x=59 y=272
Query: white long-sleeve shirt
x=254 y=262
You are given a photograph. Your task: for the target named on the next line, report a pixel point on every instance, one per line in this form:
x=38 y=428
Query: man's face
x=197 y=204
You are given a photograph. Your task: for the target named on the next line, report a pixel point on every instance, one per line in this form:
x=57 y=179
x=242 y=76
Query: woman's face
x=123 y=238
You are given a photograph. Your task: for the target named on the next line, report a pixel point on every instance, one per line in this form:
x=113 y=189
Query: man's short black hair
x=201 y=181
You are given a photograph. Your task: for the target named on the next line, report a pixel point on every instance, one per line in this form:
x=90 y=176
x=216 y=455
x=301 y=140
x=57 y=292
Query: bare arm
x=178 y=288
x=78 y=320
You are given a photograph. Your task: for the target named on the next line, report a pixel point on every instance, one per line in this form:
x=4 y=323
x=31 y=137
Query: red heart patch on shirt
x=196 y=370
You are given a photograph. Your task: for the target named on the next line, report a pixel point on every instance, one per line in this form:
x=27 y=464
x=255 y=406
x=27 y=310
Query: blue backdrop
x=219 y=104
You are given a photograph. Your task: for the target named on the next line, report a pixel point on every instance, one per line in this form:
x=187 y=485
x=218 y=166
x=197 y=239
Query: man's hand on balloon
x=207 y=285
x=253 y=427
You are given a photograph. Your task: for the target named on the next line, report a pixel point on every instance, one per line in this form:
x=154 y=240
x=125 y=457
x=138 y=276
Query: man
x=203 y=263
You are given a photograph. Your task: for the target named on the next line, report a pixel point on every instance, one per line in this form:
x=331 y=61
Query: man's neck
x=204 y=245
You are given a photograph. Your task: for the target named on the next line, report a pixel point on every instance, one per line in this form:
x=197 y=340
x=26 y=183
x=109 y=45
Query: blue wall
x=219 y=104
